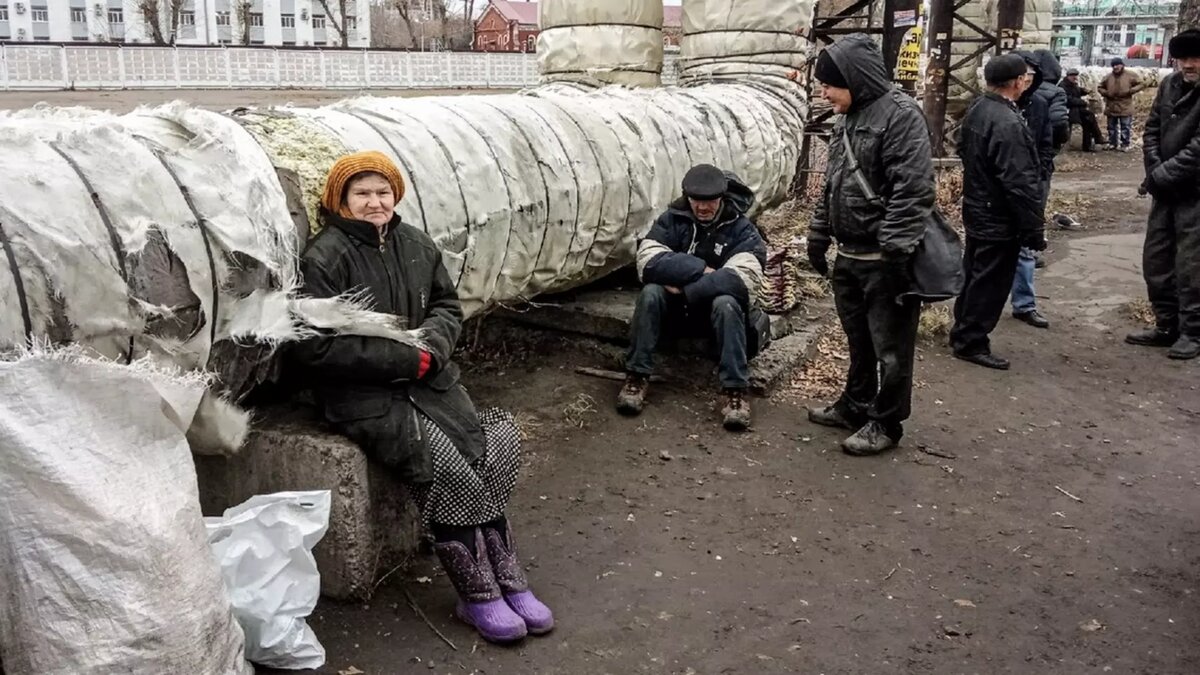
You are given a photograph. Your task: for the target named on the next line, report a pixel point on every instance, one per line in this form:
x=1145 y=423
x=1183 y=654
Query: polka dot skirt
x=468 y=494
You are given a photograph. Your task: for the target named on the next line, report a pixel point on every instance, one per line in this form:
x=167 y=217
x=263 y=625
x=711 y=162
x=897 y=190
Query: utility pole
x=1010 y=19
x=902 y=41
x=937 y=72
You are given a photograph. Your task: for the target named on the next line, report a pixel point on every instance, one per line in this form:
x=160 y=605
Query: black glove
x=1035 y=241
x=817 y=251
x=1142 y=189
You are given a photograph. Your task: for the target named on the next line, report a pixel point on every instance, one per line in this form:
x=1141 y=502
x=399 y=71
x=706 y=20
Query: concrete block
x=373 y=525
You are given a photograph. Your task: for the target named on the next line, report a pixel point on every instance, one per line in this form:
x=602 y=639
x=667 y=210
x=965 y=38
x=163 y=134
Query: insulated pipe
x=169 y=231
x=598 y=43
x=744 y=40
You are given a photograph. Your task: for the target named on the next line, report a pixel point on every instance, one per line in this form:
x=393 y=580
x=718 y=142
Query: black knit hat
x=1117 y=61
x=1186 y=45
x=827 y=72
x=704 y=182
x=1003 y=69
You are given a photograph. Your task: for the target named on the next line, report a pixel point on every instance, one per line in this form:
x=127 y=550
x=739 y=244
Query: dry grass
x=824 y=375
x=936 y=322
x=579 y=410
x=1140 y=311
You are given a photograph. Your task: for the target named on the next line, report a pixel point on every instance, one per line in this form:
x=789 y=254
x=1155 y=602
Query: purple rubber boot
x=513 y=584
x=481 y=603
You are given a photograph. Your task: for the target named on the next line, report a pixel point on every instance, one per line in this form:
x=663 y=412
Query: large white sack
x=104 y=563
x=264 y=547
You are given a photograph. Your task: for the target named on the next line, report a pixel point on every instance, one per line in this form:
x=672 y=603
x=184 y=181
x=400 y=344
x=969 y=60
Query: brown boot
x=632 y=398
x=736 y=411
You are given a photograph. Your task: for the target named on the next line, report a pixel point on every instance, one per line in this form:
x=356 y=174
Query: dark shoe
x=736 y=412
x=1033 y=318
x=831 y=416
x=985 y=359
x=1152 y=337
x=1039 y=263
x=1185 y=349
x=632 y=399
x=513 y=585
x=872 y=439
x=481 y=604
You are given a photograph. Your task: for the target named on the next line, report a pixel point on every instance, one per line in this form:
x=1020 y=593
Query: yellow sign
x=908 y=63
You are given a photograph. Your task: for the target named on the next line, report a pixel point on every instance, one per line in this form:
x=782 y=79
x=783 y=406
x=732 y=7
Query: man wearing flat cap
x=1002 y=206
x=1171 y=256
x=702 y=266
x=1118 y=89
x=879 y=192
x=1080 y=111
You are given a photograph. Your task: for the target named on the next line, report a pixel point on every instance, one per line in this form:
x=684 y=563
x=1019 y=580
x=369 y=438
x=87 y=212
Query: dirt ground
x=121 y=101
x=1043 y=520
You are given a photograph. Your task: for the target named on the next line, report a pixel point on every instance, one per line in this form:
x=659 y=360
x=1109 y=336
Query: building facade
x=301 y=23
x=508 y=26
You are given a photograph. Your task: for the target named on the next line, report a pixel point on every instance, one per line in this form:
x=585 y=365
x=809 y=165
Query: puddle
x=1099 y=275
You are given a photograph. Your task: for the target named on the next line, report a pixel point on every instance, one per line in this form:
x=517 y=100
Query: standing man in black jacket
x=1171 y=258
x=878 y=216
x=1002 y=206
x=1080 y=112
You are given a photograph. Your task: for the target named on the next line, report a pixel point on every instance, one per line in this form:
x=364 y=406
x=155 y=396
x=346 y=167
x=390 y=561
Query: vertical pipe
x=1010 y=20
x=902 y=41
x=597 y=43
x=937 y=73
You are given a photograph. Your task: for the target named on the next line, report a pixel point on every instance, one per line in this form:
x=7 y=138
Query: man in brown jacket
x=1118 y=89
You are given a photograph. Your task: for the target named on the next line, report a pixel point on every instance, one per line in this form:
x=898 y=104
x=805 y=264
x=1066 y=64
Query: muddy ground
x=1044 y=520
x=122 y=101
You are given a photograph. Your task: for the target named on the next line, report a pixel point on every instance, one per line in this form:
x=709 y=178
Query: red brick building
x=513 y=26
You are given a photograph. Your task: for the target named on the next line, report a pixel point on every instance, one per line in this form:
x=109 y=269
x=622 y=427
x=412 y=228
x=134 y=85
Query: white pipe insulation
x=168 y=230
x=598 y=43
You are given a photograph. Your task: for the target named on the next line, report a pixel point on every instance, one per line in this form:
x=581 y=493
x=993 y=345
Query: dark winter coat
x=1055 y=97
x=890 y=139
x=1172 y=142
x=1001 y=175
x=679 y=247
x=1035 y=108
x=1077 y=101
x=368 y=386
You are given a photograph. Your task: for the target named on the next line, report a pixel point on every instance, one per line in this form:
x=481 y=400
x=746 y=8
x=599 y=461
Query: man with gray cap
x=879 y=191
x=1171 y=256
x=702 y=266
x=1002 y=206
x=1118 y=89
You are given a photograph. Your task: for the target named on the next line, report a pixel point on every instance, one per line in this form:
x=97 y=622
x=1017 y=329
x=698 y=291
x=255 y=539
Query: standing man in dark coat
x=1046 y=116
x=1171 y=259
x=1002 y=206
x=1080 y=112
x=702 y=264
x=878 y=216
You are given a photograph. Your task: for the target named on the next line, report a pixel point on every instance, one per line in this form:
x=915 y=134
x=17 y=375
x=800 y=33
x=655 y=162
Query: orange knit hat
x=350 y=166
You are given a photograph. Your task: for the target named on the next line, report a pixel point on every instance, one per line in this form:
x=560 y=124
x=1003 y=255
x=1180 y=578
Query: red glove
x=426 y=363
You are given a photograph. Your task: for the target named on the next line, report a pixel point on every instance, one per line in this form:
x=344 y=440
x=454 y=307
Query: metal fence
x=25 y=66
x=127 y=67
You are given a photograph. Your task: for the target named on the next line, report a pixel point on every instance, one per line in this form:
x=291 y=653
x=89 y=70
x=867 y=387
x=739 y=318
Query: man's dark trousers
x=882 y=336
x=990 y=267
x=1171 y=265
x=659 y=311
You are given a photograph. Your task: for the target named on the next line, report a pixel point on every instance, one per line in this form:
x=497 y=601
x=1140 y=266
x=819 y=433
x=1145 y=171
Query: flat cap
x=1003 y=69
x=705 y=181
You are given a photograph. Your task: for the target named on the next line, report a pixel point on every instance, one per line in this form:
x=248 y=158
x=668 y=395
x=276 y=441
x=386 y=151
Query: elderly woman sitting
x=404 y=404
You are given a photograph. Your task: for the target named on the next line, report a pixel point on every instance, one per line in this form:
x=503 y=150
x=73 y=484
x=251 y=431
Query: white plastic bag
x=104 y=567
x=264 y=547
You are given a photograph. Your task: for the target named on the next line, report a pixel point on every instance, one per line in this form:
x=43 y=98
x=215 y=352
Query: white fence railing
x=129 y=67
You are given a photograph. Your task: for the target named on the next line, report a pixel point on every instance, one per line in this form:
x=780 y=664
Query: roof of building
x=526 y=13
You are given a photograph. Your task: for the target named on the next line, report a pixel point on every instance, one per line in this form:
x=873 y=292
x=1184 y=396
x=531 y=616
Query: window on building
x=3 y=12
x=116 y=16
x=187 y=18
x=256 y=20
x=1130 y=39
x=289 y=43
x=78 y=15
x=318 y=43
x=41 y=38
x=40 y=15
x=225 y=41
x=352 y=23
x=287 y=20
x=222 y=18
x=531 y=44
x=1070 y=42
x=256 y=41
x=1148 y=41
x=318 y=21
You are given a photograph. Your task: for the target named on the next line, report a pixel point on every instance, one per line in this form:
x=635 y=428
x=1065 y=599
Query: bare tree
x=1189 y=15
x=404 y=9
x=151 y=16
x=337 y=18
x=242 y=9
